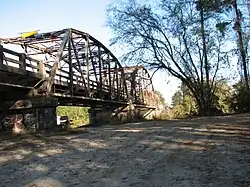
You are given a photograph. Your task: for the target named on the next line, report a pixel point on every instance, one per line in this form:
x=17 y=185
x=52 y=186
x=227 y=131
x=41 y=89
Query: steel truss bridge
x=72 y=66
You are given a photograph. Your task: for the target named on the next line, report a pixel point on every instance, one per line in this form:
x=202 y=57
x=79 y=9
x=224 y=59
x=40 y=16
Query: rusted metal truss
x=76 y=59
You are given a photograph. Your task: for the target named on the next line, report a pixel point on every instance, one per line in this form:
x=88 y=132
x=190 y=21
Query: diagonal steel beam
x=79 y=64
x=48 y=84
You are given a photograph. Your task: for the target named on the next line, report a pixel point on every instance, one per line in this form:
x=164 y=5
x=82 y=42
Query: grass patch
x=79 y=116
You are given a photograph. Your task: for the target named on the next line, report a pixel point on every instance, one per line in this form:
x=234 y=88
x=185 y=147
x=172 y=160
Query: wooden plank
x=12 y=60
x=32 y=59
x=19 y=71
x=11 y=52
x=32 y=66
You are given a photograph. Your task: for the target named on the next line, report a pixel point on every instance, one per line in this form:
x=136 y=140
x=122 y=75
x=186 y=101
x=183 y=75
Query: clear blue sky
x=87 y=15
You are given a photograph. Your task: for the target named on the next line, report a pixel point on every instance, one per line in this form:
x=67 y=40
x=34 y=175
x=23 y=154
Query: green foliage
x=222 y=27
x=177 y=98
x=226 y=99
x=221 y=97
x=240 y=100
x=184 y=104
x=78 y=115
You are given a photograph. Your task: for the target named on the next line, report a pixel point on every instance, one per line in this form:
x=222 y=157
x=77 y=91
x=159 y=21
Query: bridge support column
x=46 y=118
x=92 y=116
x=100 y=116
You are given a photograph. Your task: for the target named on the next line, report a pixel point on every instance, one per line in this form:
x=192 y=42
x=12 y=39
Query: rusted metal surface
x=73 y=63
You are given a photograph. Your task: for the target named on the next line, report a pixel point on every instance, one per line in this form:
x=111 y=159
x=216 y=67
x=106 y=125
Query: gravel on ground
x=196 y=152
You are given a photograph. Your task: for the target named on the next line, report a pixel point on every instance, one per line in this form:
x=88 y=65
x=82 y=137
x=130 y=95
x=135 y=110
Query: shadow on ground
x=197 y=152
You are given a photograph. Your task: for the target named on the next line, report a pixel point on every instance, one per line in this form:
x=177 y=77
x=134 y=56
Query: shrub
x=240 y=101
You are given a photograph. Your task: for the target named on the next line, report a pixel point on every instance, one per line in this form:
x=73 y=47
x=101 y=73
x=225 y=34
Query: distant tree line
x=226 y=99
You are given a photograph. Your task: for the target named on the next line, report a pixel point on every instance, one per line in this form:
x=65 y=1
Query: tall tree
x=171 y=35
x=242 y=50
x=224 y=6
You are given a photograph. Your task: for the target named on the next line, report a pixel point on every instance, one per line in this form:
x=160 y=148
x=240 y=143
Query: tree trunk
x=203 y=106
x=204 y=109
x=206 y=91
x=240 y=42
x=204 y=46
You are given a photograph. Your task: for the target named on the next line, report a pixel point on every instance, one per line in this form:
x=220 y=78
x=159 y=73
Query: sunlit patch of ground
x=197 y=152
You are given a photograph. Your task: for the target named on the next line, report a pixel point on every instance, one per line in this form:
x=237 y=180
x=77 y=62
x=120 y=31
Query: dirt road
x=200 y=152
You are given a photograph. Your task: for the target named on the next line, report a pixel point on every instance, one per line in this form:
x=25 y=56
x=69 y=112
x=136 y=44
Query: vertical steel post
x=70 y=66
x=87 y=62
x=109 y=74
x=123 y=87
x=120 y=85
x=100 y=69
x=117 y=82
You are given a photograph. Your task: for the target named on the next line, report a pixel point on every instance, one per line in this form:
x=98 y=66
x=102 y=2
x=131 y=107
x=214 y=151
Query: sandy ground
x=200 y=152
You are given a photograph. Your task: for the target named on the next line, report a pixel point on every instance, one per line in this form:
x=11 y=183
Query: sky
x=85 y=15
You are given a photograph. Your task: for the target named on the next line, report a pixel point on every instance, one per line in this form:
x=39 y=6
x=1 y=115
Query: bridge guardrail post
x=41 y=69
x=1 y=55
x=22 y=59
x=92 y=116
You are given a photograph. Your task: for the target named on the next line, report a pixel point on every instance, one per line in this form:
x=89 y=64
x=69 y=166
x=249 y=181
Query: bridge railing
x=17 y=60
x=20 y=63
